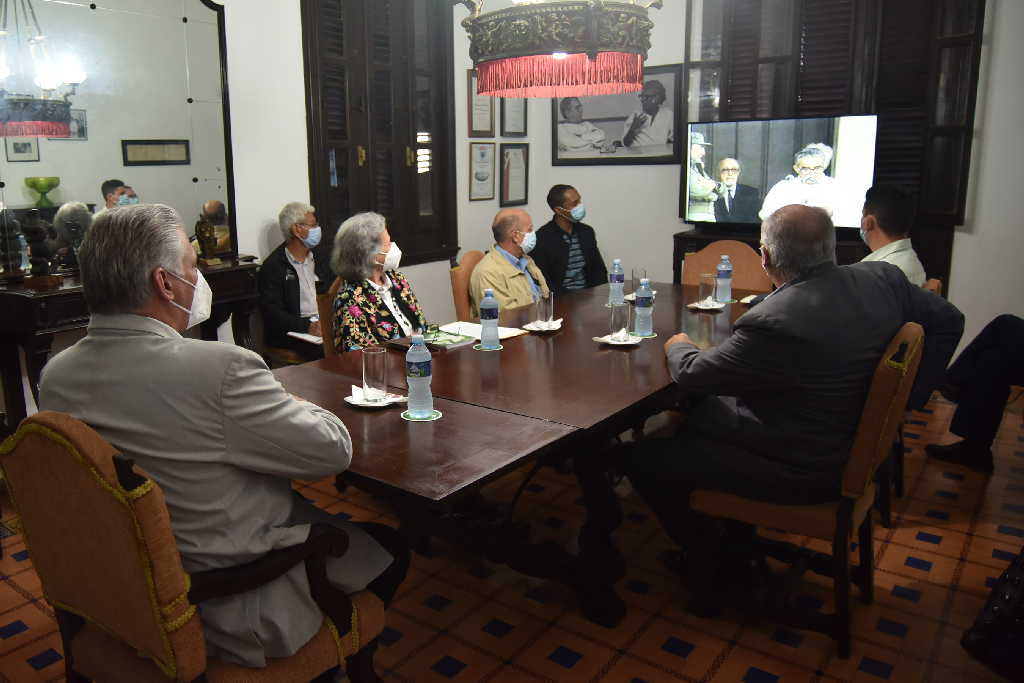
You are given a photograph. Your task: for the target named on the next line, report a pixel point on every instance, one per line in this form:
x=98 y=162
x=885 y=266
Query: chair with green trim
x=99 y=535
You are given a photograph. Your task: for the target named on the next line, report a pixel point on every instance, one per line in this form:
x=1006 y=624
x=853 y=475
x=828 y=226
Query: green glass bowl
x=42 y=185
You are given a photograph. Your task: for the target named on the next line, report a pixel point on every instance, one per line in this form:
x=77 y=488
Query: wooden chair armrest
x=323 y=541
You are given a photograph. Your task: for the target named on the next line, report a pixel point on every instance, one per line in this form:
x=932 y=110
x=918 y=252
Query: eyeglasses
x=651 y=96
x=810 y=169
x=730 y=170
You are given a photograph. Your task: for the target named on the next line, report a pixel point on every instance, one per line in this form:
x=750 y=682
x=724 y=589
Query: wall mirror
x=151 y=111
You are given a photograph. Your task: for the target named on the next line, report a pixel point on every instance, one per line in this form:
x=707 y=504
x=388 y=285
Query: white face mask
x=392 y=258
x=202 y=300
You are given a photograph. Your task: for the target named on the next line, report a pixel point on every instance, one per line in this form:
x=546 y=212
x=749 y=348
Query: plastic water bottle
x=723 y=286
x=417 y=376
x=644 y=313
x=616 y=281
x=489 y=321
x=26 y=265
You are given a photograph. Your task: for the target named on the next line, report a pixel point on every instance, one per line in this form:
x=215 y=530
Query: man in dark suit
x=776 y=406
x=566 y=250
x=740 y=203
x=289 y=280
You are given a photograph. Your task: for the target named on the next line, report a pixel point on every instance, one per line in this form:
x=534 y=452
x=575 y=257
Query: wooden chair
x=882 y=415
x=276 y=357
x=747 y=272
x=325 y=307
x=100 y=538
x=460 y=283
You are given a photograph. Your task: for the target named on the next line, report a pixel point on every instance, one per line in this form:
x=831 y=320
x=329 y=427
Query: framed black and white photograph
x=513 y=117
x=22 y=149
x=515 y=174
x=481 y=171
x=481 y=109
x=633 y=128
x=78 y=125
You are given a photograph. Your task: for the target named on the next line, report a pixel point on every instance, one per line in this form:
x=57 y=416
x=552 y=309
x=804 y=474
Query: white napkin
x=543 y=326
x=358 y=397
x=707 y=304
x=607 y=339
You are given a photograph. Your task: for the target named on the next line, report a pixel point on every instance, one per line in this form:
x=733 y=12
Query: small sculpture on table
x=206 y=234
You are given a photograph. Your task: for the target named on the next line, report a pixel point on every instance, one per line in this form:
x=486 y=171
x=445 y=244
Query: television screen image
x=740 y=172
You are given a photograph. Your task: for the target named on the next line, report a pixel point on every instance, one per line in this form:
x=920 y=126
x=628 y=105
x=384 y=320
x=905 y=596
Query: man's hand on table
x=677 y=338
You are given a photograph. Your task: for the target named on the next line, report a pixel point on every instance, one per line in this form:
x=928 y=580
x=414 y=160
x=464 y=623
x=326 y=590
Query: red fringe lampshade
x=560 y=48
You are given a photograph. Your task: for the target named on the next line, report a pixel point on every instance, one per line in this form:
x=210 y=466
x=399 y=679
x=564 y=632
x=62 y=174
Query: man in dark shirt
x=566 y=250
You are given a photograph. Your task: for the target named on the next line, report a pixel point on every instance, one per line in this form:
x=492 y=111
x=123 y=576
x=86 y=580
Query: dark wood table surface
x=500 y=407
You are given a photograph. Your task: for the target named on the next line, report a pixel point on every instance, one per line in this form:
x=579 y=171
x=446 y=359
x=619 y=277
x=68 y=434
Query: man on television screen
x=701 y=189
x=738 y=203
x=811 y=187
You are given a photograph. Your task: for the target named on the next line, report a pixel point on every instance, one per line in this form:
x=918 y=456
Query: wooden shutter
x=826 y=57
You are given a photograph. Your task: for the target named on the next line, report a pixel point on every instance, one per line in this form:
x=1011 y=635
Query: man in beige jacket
x=507 y=269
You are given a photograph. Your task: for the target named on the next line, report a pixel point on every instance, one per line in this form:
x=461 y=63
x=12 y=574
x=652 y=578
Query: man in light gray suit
x=211 y=424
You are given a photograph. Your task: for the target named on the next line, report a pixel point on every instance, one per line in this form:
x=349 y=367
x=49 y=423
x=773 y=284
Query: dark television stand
x=849 y=247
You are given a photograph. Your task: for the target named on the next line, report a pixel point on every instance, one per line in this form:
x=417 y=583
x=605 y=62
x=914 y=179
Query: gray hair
x=356 y=245
x=292 y=213
x=121 y=250
x=817 y=150
x=75 y=215
x=797 y=238
x=503 y=227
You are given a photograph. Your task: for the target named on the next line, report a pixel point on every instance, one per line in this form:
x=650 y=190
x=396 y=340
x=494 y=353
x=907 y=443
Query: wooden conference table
x=555 y=394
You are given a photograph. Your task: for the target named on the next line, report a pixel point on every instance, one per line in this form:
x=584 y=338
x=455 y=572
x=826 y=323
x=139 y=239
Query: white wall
x=634 y=209
x=986 y=277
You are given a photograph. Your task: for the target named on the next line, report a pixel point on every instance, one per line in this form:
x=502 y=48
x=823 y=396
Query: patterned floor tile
x=437 y=603
x=401 y=638
x=22 y=625
x=629 y=669
x=560 y=655
x=751 y=666
x=449 y=660
x=678 y=649
x=498 y=629
x=38 y=660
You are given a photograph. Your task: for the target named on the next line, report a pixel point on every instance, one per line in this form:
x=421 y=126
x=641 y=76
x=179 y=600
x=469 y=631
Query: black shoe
x=963 y=453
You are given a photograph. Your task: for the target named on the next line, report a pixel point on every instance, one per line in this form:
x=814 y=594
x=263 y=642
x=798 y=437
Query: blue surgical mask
x=313 y=238
x=126 y=200
x=529 y=242
x=578 y=213
x=864 y=236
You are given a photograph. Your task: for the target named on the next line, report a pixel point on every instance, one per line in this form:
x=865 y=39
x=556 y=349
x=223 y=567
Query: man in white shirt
x=215 y=429
x=812 y=187
x=885 y=228
x=653 y=124
x=575 y=134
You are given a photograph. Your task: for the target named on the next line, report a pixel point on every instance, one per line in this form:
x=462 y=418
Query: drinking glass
x=699 y=328
x=545 y=310
x=637 y=274
x=707 y=287
x=375 y=373
x=618 y=322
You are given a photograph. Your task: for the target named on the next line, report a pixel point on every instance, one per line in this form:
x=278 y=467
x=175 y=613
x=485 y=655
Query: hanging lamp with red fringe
x=560 y=48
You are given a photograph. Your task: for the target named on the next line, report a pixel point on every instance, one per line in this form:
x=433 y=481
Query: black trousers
x=386 y=585
x=982 y=374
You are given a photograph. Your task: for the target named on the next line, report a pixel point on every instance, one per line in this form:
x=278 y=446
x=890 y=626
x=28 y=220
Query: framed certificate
x=513 y=117
x=481 y=171
x=515 y=174
x=481 y=109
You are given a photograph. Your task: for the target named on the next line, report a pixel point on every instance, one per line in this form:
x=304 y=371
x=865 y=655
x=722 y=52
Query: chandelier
x=26 y=114
x=559 y=48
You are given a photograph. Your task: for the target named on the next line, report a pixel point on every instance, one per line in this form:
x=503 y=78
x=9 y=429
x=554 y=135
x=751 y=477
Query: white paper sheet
x=473 y=330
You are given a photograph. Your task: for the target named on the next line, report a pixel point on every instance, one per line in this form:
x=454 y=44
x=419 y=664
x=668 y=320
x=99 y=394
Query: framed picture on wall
x=481 y=171
x=515 y=174
x=79 y=126
x=481 y=109
x=633 y=128
x=22 y=149
x=513 y=117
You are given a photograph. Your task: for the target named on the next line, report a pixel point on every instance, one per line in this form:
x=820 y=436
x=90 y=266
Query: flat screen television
x=739 y=172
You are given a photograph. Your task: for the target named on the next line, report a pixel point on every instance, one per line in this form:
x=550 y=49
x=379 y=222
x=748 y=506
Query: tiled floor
x=458 y=619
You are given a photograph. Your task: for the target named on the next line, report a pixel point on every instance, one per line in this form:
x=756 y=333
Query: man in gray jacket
x=214 y=428
x=776 y=406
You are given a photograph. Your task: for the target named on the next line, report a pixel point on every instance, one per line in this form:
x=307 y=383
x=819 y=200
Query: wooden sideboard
x=29 y=319
x=849 y=247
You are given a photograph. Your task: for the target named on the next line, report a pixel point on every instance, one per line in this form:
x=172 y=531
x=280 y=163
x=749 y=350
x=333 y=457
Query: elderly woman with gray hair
x=70 y=223
x=376 y=302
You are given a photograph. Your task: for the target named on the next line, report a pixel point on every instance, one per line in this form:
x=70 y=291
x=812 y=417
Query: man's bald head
x=795 y=239
x=213 y=211
x=506 y=222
